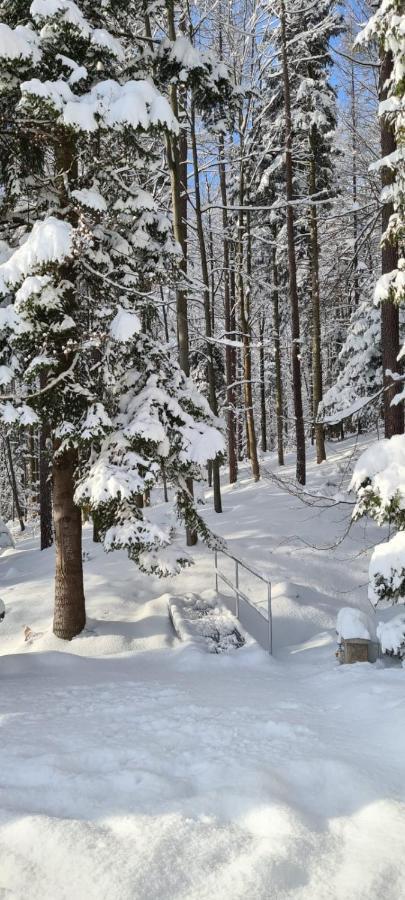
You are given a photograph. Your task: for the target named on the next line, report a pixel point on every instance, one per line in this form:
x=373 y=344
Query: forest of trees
x=201 y=257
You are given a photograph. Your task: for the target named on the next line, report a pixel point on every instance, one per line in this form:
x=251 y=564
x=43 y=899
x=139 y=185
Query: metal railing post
x=241 y=596
x=270 y=618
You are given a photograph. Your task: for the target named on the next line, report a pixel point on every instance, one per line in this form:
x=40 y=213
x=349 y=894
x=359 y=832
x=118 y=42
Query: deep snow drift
x=134 y=766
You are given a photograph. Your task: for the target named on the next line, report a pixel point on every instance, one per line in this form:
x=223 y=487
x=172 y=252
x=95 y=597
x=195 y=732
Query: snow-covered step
x=206 y=623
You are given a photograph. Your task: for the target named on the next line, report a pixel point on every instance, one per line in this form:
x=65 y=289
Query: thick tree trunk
x=316 y=305
x=292 y=265
x=69 y=614
x=393 y=415
x=277 y=364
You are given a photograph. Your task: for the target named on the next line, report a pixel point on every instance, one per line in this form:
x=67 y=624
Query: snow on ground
x=134 y=767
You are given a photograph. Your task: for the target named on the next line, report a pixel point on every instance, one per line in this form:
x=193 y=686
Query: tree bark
x=229 y=314
x=246 y=336
x=176 y=147
x=316 y=305
x=215 y=467
x=69 y=613
x=45 y=490
x=292 y=264
x=390 y=339
x=277 y=364
x=263 y=415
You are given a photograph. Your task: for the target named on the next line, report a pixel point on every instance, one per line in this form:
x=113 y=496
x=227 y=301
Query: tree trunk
x=263 y=416
x=277 y=364
x=245 y=330
x=316 y=305
x=229 y=311
x=45 y=490
x=393 y=415
x=292 y=265
x=176 y=147
x=69 y=614
x=216 y=480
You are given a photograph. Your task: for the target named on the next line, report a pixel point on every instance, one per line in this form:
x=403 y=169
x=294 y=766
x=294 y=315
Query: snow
x=6 y=540
x=67 y=10
x=388 y=562
x=49 y=241
x=18 y=43
x=135 y=768
x=353 y=623
x=90 y=198
x=134 y=104
x=384 y=464
x=392 y=635
x=124 y=325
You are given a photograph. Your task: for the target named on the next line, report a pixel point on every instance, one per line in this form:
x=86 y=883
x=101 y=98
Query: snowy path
x=135 y=768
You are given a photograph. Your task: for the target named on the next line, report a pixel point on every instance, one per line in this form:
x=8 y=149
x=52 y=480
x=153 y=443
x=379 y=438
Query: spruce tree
x=79 y=335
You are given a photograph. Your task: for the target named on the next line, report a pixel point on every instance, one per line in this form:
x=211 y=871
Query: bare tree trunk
x=393 y=415
x=277 y=364
x=316 y=305
x=292 y=264
x=229 y=310
x=216 y=480
x=69 y=613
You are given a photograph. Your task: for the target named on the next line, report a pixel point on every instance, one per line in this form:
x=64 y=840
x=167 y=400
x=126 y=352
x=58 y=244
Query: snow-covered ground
x=134 y=766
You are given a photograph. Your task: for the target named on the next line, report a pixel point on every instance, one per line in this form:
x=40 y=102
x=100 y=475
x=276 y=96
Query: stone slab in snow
x=206 y=623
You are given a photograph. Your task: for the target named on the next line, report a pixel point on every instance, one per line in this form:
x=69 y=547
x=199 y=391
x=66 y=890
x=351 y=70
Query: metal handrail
x=241 y=595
